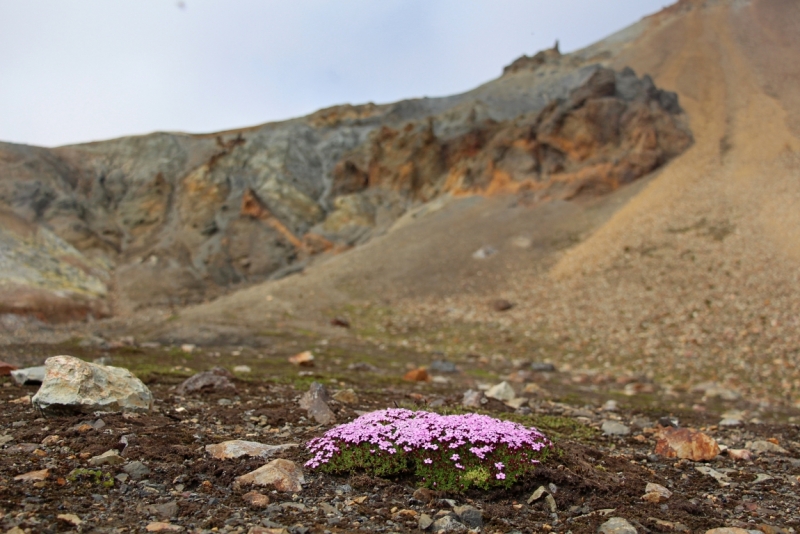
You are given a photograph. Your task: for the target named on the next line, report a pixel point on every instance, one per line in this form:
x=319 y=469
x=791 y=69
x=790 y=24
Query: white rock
x=29 y=375
x=615 y=428
x=617 y=525
x=242 y=369
x=721 y=478
x=237 y=448
x=502 y=392
x=72 y=385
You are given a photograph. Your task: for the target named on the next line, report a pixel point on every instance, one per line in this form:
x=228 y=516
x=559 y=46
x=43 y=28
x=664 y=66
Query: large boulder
x=74 y=386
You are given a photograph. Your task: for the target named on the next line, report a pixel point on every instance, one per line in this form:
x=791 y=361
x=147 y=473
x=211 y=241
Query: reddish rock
x=283 y=475
x=6 y=368
x=685 y=443
x=303 y=359
x=502 y=305
x=417 y=375
x=256 y=499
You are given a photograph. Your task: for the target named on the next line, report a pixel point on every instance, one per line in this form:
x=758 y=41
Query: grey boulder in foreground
x=73 y=386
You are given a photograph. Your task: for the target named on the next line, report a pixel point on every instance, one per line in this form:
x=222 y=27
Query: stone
x=72 y=519
x=6 y=368
x=29 y=376
x=610 y=406
x=448 y=524
x=238 y=448
x=543 y=367
x=761 y=477
x=517 y=402
x=616 y=525
x=316 y=391
x=501 y=305
x=340 y=322
x=283 y=475
x=74 y=386
x=443 y=366
x=33 y=476
x=216 y=379
x=740 y=454
x=242 y=369
x=417 y=375
x=51 y=440
x=686 y=444
x=256 y=499
x=763 y=446
x=188 y=348
x=346 y=396
x=423 y=495
x=521 y=241
x=5 y=438
x=484 y=252
x=136 y=470
x=158 y=526
x=469 y=515
x=164 y=510
x=425 y=521
x=540 y=492
x=315 y=402
x=615 y=428
x=302 y=359
x=268 y=530
x=730 y=422
x=728 y=530
x=502 y=392
x=721 y=478
x=473 y=399
x=656 y=493
x=550 y=501
x=107 y=458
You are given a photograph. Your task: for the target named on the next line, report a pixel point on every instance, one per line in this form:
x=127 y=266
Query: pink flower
x=428 y=461
x=501 y=476
x=459 y=466
x=455 y=457
x=499 y=465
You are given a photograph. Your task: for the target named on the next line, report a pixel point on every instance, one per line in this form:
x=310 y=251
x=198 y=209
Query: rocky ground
x=610 y=436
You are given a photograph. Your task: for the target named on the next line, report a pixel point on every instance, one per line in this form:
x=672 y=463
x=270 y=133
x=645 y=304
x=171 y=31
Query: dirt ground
x=593 y=476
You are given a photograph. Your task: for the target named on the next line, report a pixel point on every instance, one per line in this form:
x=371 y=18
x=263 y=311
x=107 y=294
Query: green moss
x=94 y=477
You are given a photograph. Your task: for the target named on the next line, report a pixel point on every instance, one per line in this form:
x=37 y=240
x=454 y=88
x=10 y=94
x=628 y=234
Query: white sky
x=82 y=70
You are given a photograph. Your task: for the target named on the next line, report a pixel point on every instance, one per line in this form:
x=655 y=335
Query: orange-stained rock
x=256 y=499
x=740 y=454
x=303 y=359
x=417 y=375
x=283 y=475
x=6 y=368
x=33 y=476
x=685 y=443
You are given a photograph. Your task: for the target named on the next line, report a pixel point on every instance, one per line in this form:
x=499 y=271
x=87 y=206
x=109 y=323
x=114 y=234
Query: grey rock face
x=74 y=386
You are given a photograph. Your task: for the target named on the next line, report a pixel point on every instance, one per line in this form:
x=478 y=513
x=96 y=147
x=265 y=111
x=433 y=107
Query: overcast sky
x=82 y=70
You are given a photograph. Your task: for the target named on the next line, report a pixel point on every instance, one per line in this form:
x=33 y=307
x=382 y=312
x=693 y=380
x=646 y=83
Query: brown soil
x=591 y=472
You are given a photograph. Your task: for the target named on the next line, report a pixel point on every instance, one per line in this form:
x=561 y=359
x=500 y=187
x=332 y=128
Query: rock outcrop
x=178 y=218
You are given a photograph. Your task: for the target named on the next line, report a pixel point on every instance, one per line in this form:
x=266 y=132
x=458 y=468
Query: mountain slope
x=687 y=277
x=180 y=219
